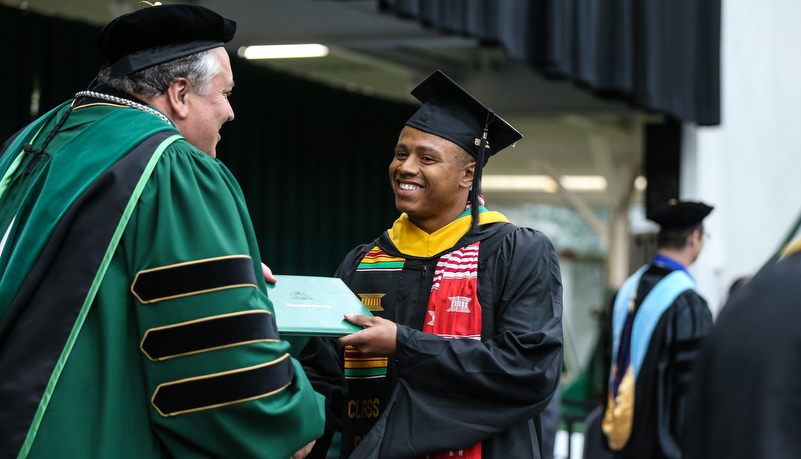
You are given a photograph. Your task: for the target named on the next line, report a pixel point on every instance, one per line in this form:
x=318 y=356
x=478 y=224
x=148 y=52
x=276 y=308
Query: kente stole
x=631 y=335
x=453 y=311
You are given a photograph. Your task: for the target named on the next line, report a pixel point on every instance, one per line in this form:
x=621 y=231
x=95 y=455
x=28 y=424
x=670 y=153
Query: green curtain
x=313 y=163
x=312 y=160
x=50 y=56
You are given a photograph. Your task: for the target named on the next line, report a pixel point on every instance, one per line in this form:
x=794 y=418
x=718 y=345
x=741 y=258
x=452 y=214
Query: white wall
x=749 y=167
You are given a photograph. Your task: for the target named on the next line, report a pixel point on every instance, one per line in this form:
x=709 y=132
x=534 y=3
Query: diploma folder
x=314 y=306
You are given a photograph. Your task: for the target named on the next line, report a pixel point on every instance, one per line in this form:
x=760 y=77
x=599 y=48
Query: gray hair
x=198 y=68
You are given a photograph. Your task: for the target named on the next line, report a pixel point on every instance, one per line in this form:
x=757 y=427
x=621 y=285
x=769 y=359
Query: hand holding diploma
x=378 y=339
x=268 y=274
x=306 y=449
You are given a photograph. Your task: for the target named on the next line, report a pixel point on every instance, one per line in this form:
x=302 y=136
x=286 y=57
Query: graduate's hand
x=378 y=339
x=268 y=274
x=305 y=451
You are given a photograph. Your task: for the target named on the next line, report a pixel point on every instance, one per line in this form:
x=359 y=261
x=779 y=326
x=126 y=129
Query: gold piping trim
x=153 y=399
x=100 y=103
x=240 y=343
x=198 y=292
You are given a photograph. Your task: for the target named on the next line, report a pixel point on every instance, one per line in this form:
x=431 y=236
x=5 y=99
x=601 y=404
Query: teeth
x=408 y=187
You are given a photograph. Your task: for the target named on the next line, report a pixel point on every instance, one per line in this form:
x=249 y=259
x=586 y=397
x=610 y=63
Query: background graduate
x=658 y=323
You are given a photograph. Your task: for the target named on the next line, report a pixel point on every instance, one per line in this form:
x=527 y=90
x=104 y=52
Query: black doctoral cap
x=450 y=112
x=676 y=215
x=160 y=33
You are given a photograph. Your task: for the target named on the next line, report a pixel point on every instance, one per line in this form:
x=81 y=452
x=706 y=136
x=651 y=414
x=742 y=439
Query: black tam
x=158 y=34
x=677 y=215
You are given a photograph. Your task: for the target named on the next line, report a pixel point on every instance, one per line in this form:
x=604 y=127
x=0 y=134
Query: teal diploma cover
x=314 y=306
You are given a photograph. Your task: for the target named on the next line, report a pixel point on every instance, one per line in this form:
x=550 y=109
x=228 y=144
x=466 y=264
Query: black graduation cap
x=450 y=112
x=676 y=215
x=161 y=33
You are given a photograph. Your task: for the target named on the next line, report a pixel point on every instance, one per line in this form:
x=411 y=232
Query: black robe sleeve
x=451 y=394
x=745 y=400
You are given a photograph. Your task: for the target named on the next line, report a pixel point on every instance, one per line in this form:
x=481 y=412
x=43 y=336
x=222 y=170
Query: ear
x=469 y=172
x=695 y=237
x=177 y=96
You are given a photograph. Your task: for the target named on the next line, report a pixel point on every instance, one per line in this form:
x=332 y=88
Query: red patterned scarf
x=454 y=312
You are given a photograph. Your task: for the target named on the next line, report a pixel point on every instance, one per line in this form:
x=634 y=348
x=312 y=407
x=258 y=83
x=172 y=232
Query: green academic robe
x=134 y=320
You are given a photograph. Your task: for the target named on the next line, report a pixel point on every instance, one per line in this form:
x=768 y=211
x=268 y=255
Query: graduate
x=134 y=321
x=658 y=323
x=465 y=349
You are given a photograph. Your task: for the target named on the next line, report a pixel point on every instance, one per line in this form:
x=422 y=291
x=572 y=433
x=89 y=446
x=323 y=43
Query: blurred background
x=623 y=104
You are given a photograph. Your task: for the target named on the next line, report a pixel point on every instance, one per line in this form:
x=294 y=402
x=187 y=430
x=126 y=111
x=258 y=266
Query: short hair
x=676 y=240
x=464 y=157
x=198 y=68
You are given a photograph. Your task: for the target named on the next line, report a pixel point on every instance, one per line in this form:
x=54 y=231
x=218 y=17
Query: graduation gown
x=745 y=402
x=660 y=390
x=449 y=394
x=133 y=316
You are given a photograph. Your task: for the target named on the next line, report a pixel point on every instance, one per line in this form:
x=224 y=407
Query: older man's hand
x=304 y=452
x=268 y=274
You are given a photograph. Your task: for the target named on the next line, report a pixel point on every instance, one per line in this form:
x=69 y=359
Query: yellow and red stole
x=453 y=309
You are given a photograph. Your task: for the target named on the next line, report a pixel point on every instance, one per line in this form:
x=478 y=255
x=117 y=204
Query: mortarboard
x=450 y=112
x=676 y=215
x=161 y=33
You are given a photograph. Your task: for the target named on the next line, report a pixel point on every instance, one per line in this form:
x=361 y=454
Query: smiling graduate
x=465 y=349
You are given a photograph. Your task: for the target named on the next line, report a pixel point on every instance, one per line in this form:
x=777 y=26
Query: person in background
x=658 y=323
x=465 y=349
x=133 y=316
x=745 y=400
x=737 y=284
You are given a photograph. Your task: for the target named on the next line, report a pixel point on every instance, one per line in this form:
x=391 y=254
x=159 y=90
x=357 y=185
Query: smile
x=408 y=187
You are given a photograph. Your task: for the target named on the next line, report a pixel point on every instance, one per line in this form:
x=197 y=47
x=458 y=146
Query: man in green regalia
x=465 y=349
x=133 y=316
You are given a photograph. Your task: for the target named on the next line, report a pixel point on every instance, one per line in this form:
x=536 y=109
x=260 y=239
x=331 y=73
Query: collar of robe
x=409 y=239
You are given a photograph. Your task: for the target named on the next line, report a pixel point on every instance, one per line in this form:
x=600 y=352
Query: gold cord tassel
x=619 y=415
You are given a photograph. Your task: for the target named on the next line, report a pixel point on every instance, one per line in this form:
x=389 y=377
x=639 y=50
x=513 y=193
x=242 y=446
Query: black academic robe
x=660 y=394
x=745 y=402
x=449 y=394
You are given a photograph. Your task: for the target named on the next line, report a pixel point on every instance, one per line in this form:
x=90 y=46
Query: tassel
x=475 y=191
x=38 y=153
